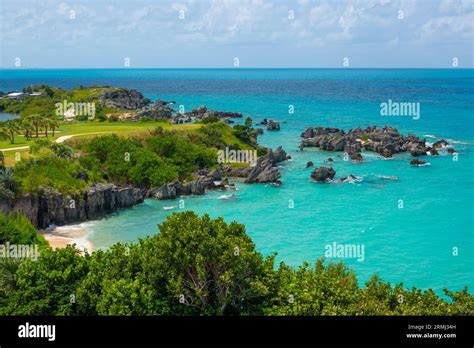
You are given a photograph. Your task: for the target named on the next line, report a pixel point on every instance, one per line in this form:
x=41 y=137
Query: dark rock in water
x=264 y=122
x=330 y=160
x=264 y=170
x=451 y=150
x=356 y=157
x=259 y=131
x=273 y=125
x=386 y=141
x=349 y=178
x=417 y=162
x=323 y=174
x=440 y=144
x=203 y=112
x=433 y=151
x=309 y=164
x=124 y=99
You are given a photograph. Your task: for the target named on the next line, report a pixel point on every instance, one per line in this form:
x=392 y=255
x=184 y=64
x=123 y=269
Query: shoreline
x=61 y=236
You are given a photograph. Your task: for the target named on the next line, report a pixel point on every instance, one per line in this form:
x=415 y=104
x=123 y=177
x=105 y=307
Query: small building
x=17 y=95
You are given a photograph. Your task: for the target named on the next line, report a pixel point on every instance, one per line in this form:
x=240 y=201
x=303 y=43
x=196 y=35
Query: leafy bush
x=200 y=266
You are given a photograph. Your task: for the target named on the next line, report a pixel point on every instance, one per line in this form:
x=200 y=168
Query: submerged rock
x=322 y=174
x=417 y=162
x=309 y=164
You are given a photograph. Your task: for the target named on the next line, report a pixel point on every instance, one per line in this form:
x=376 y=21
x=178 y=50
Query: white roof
x=16 y=94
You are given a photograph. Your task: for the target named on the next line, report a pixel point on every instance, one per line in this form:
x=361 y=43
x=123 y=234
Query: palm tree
x=11 y=127
x=27 y=128
x=37 y=122
x=53 y=123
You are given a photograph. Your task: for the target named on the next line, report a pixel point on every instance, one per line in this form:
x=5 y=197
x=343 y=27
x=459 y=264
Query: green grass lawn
x=123 y=128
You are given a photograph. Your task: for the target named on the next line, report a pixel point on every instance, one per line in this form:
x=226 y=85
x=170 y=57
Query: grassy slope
x=121 y=128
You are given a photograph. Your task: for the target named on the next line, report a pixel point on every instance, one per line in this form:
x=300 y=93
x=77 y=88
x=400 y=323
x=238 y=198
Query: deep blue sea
x=413 y=244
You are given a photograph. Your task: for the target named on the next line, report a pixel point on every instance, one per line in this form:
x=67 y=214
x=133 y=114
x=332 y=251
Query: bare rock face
x=273 y=125
x=265 y=170
x=124 y=99
x=49 y=207
x=386 y=141
x=323 y=174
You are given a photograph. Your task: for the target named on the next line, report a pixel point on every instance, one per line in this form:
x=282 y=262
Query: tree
x=248 y=123
x=8 y=184
x=27 y=128
x=53 y=123
x=37 y=121
x=11 y=127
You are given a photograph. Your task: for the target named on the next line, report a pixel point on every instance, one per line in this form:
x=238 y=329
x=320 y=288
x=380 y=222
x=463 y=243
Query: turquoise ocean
x=413 y=244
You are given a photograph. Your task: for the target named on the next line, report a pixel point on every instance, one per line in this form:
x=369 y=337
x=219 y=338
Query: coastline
x=62 y=236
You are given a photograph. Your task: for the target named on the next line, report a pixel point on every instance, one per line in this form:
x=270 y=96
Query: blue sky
x=260 y=33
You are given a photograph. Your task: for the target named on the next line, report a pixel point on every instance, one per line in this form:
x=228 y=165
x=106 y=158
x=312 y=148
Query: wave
x=227 y=197
x=431 y=136
x=171 y=207
x=388 y=177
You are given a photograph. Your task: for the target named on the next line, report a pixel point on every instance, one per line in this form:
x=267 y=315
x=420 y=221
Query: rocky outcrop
x=323 y=174
x=386 y=141
x=273 y=125
x=205 y=180
x=49 y=207
x=264 y=171
x=158 y=110
x=124 y=99
x=203 y=112
x=309 y=164
x=417 y=162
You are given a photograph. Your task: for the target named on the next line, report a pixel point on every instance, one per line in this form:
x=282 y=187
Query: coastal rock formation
x=323 y=174
x=258 y=131
x=158 y=110
x=309 y=164
x=386 y=141
x=264 y=171
x=49 y=207
x=124 y=99
x=417 y=162
x=205 y=180
x=203 y=112
x=273 y=125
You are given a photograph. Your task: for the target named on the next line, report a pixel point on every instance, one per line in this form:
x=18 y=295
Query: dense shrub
x=200 y=266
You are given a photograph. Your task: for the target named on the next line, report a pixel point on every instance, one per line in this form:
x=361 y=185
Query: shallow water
x=413 y=244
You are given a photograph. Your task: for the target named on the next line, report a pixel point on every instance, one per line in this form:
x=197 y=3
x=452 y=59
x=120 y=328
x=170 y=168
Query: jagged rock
x=417 y=162
x=49 y=207
x=451 y=150
x=322 y=174
x=264 y=122
x=259 y=131
x=309 y=164
x=124 y=99
x=273 y=125
x=203 y=112
x=440 y=144
x=386 y=141
x=264 y=170
x=356 y=157
x=433 y=151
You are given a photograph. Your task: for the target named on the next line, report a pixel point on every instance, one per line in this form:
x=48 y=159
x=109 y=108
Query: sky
x=236 y=34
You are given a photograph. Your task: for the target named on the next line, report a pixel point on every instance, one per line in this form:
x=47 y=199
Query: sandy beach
x=60 y=237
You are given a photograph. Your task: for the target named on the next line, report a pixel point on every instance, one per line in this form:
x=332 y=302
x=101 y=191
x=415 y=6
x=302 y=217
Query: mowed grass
x=12 y=157
x=95 y=128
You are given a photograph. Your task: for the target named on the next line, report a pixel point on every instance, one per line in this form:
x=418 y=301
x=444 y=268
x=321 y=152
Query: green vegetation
x=200 y=266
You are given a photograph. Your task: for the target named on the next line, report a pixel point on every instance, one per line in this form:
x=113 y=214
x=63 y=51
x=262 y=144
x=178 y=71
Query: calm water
x=413 y=244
